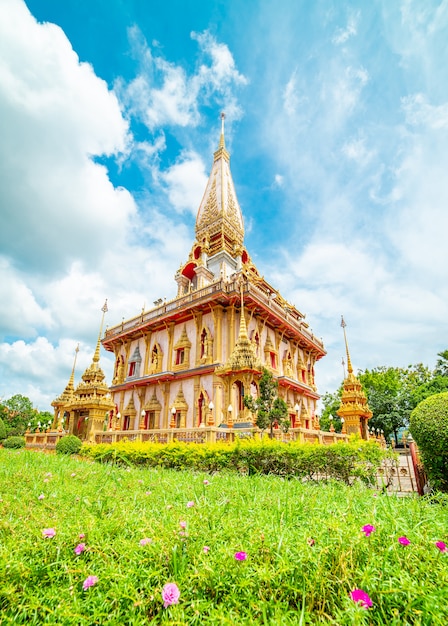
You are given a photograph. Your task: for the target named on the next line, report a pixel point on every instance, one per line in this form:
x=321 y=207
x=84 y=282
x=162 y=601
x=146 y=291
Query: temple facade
x=189 y=362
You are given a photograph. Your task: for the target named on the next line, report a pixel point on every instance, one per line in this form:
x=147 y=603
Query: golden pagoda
x=85 y=410
x=188 y=362
x=354 y=409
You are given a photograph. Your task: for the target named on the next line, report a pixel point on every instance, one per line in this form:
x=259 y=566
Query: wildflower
x=183 y=524
x=169 y=506
x=360 y=596
x=240 y=556
x=49 y=474
x=206 y=482
x=140 y=481
x=368 y=529
x=442 y=546
x=73 y=474
x=170 y=594
x=190 y=504
x=41 y=497
x=310 y=541
x=147 y=493
x=80 y=548
x=205 y=549
x=404 y=541
x=49 y=533
x=89 y=582
x=145 y=541
x=81 y=535
x=46 y=480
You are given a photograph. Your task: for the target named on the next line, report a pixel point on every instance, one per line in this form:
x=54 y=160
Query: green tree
x=442 y=364
x=330 y=405
x=270 y=409
x=429 y=427
x=389 y=393
x=18 y=411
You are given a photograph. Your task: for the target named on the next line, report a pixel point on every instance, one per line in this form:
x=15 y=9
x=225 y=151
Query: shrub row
x=342 y=461
x=14 y=442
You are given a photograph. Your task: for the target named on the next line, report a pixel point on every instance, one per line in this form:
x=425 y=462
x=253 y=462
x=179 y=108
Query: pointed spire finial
x=243 y=328
x=349 y=363
x=96 y=356
x=222 y=141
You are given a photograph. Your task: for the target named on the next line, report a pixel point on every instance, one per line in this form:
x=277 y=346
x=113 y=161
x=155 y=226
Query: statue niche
x=156 y=360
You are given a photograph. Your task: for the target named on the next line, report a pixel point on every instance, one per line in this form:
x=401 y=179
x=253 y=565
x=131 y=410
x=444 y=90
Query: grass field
x=135 y=530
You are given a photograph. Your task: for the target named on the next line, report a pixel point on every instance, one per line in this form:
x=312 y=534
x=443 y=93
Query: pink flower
x=41 y=497
x=89 y=582
x=170 y=594
x=190 y=504
x=240 y=556
x=81 y=535
x=368 y=529
x=147 y=493
x=49 y=533
x=72 y=474
x=46 y=480
x=404 y=541
x=360 y=596
x=442 y=546
x=48 y=474
x=206 y=482
x=183 y=524
x=145 y=541
x=80 y=548
x=205 y=549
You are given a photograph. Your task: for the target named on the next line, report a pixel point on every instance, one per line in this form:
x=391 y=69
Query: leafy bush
x=2 y=430
x=14 y=442
x=341 y=461
x=429 y=427
x=68 y=445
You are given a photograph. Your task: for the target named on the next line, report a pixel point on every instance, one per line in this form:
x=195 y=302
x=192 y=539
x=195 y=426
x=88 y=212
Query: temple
x=188 y=362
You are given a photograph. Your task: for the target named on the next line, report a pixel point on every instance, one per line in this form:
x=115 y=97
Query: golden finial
x=222 y=142
x=96 y=356
x=243 y=328
x=349 y=363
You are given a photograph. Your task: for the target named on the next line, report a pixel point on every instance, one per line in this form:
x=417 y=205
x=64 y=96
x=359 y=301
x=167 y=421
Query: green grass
x=284 y=580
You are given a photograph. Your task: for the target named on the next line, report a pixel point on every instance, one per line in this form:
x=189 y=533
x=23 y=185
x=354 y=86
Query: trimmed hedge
x=429 y=427
x=357 y=460
x=14 y=442
x=70 y=444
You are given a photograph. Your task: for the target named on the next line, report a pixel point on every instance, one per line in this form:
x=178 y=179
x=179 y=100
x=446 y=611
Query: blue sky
x=337 y=123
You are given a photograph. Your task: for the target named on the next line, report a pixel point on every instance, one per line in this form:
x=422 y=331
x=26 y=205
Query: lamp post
x=142 y=420
x=29 y=426
x=297 y=410
x=210 y=420
x=343 y=431
x=38 y=427
x=173 y=417
x=331 y=423
x=118 y=420
x=229 y=416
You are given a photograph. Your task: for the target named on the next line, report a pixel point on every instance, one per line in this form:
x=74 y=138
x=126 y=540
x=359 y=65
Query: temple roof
x=219 y=222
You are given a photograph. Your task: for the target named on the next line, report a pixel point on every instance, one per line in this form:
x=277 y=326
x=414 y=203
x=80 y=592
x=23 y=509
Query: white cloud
x=419 y=111
x=164 y=94
x=344 y=34
x=185 y=182
x=55 y=114
x=356 y=150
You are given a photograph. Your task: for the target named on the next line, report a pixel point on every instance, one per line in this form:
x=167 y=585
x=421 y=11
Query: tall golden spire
x=221 y=151
x=96 y=356
x=354 y=408
x=349 y=363
x=219 y=222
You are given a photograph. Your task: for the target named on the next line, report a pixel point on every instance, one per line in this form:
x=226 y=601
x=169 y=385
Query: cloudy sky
x=337 y=122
